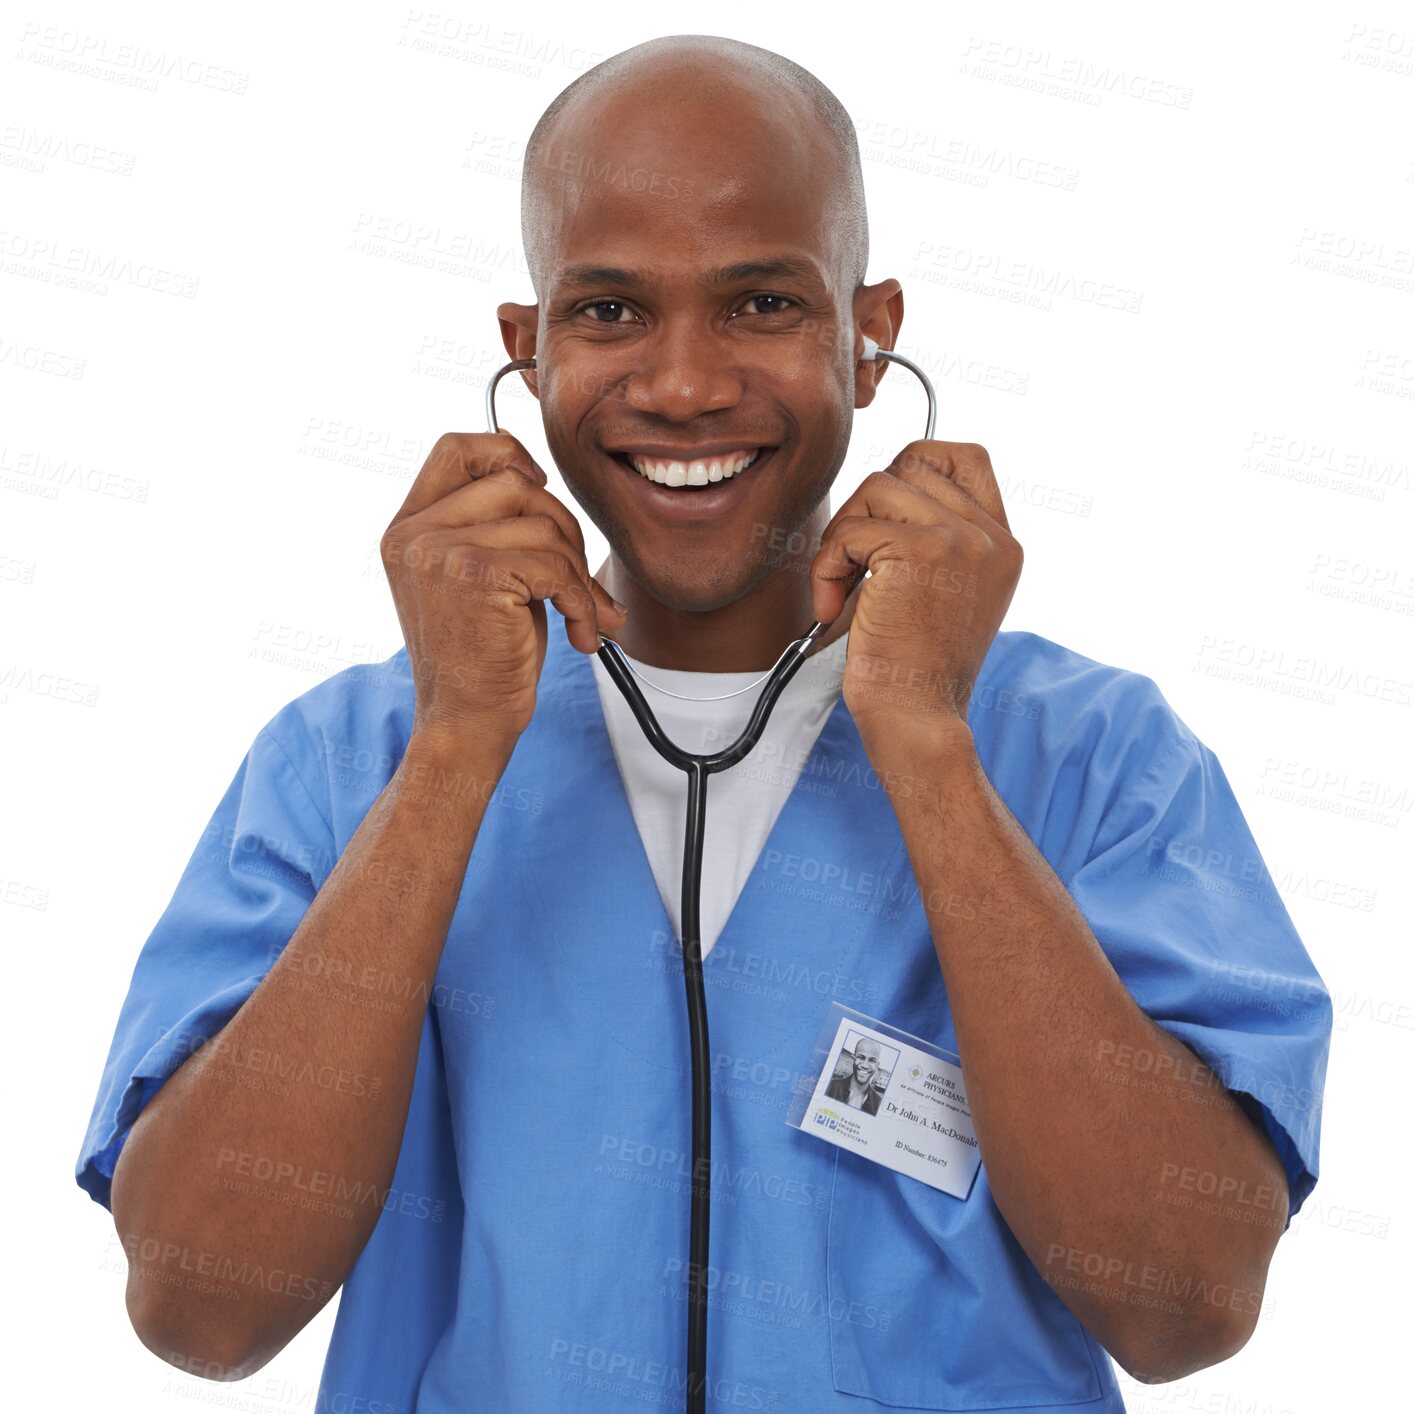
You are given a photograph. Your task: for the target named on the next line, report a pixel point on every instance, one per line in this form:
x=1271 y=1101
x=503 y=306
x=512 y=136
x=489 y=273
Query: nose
x=685 y=372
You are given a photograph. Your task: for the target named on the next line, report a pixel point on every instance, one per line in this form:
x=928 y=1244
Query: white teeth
x=694 y=473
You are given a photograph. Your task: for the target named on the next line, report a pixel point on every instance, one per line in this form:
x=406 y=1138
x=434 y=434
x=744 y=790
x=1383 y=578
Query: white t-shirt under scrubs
x=742 y=801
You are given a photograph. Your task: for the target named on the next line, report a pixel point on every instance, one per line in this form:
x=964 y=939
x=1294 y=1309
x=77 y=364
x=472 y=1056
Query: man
x=855 y=1086
x=425 y=865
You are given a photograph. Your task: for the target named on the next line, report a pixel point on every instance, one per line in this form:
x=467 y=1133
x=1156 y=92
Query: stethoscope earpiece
x=698 y=768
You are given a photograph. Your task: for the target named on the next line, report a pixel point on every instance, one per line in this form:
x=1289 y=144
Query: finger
x=887 y=497
x=932 y=469
x=495 y=496
x=966 y=465
x=539 y=530
x=503 y=493
x=854 y=544
x=460 y=458
x=524 y=558
x=547 y=574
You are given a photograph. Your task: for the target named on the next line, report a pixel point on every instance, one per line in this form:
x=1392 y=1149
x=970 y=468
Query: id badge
x=890 y=1097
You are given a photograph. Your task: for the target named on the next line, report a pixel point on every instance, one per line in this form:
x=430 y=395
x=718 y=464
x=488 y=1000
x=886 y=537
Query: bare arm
x=1084 y=1166
x=305 y=1079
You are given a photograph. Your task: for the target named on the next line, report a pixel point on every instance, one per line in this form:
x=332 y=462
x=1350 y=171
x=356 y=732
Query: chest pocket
x=936 y=1305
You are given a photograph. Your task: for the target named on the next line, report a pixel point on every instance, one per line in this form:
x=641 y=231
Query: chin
x=691 y=590
x=692 y=598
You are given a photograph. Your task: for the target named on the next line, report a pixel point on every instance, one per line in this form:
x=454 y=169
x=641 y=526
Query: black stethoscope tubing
x=698 y=768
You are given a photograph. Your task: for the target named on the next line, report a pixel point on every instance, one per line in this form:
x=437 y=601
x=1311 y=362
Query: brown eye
x=781 y=301
x=607 y=304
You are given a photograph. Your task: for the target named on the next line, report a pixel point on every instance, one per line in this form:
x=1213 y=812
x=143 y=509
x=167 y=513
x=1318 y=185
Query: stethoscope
x=698 y=768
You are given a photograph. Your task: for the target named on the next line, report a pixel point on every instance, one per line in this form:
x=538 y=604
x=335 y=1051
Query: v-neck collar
x=581 y=695
x=785 y=921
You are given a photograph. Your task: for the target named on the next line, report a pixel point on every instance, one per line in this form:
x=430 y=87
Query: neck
x=747 y=635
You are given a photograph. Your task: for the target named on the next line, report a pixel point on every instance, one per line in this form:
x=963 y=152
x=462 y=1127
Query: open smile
x=693 y=488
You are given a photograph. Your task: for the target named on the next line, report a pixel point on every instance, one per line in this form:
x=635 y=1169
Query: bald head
x=694 y=224
x=728 y=96
x=866 y=1060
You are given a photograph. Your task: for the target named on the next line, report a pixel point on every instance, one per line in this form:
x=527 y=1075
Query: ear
x=878 y=312
x=519 y=324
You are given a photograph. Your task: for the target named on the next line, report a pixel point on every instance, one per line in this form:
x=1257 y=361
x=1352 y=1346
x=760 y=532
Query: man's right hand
x=473 y=550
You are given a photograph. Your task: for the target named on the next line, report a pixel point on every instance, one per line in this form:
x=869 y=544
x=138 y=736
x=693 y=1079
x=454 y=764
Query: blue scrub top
x=531 y=1255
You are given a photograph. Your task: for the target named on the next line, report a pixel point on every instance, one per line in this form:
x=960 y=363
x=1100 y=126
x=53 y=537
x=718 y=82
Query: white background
x=1213 y=488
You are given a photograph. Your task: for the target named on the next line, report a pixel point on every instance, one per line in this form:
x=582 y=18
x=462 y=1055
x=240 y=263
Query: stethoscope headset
x=698 y=768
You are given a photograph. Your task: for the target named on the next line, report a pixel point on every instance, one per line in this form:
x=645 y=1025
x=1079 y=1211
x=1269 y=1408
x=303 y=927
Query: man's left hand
x=943 y=566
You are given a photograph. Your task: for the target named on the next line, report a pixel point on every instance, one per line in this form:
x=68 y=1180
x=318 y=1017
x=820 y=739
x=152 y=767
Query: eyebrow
x=578 y=276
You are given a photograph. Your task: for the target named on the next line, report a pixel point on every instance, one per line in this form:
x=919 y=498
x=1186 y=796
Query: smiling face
x=697 y=321
x=866 y=1061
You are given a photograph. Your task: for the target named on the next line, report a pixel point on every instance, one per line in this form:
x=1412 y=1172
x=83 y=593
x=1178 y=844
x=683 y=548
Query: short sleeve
x=255 y=870
x=1179 y=897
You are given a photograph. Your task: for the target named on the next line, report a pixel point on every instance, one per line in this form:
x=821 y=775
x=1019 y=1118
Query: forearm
x=312 y=1076
x=1084 y=1149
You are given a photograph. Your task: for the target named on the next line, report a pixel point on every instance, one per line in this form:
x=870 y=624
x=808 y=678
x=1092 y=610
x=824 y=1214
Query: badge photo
x=890 y=1097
